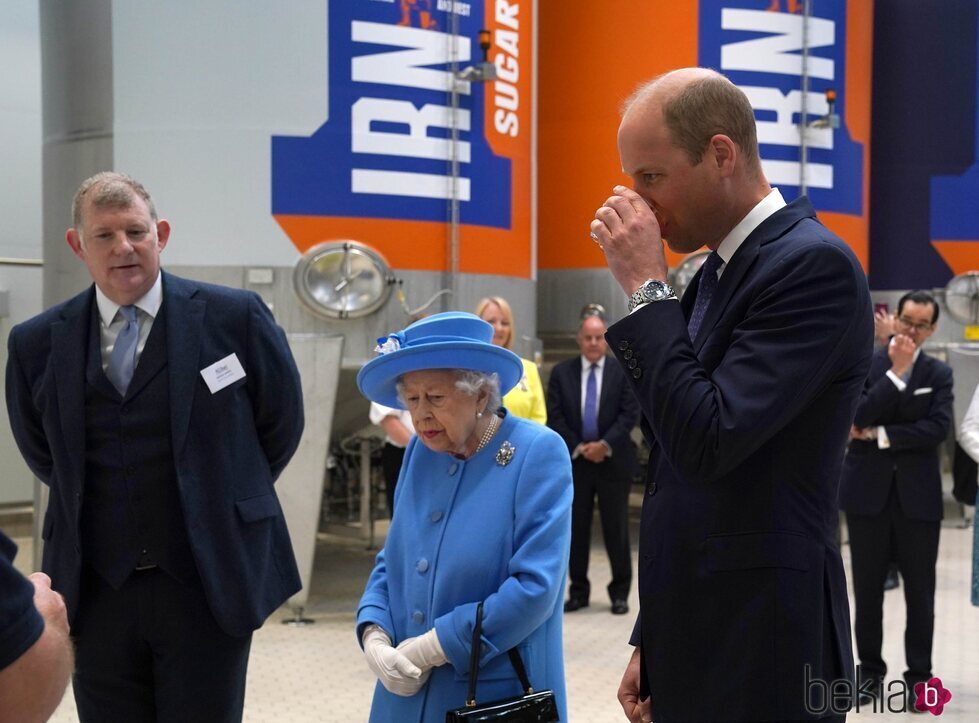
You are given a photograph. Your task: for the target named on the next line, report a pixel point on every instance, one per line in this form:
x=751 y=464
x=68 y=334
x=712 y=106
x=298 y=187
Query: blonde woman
x=527 y=398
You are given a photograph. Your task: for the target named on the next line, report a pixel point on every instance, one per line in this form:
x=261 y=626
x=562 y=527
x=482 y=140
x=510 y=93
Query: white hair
x=471 y=382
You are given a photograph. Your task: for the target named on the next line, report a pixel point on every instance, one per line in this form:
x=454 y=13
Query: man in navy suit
x=891 y=490
x=748 y=389
x=159 y=411
x=590 y=404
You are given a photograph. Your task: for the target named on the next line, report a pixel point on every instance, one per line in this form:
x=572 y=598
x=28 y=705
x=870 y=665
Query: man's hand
x=635 y=710
x=396 y=673
x=901 y=351
x=626 y=229
x=883 y=326
x=49 y=603
x=863 y=433
x=594 y=451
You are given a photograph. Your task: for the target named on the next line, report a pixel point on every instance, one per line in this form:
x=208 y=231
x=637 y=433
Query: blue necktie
x=122 y=360
x=705 y=292
x=589 y=421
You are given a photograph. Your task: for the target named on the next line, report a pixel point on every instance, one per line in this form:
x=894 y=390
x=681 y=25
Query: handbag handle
x=515 y=660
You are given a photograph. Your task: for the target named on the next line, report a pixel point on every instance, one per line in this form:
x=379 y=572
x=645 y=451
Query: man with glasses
x=891 y=490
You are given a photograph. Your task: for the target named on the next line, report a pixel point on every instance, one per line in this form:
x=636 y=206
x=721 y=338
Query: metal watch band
x=651 y=290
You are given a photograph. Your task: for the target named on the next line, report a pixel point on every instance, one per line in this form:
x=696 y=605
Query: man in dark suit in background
x=748 y=389
x=590 y=404
x=159 y=411
x=891 y=489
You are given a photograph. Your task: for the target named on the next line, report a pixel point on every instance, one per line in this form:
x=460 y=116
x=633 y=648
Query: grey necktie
x=122 y=360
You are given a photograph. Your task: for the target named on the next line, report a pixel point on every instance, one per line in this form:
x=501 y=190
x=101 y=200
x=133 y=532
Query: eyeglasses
x=911 y=325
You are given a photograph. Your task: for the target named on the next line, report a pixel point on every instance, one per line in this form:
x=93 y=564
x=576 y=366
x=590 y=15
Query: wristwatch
x=651 y=290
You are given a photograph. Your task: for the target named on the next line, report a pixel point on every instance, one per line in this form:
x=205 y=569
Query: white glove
x=425 y=651
x=396 y=673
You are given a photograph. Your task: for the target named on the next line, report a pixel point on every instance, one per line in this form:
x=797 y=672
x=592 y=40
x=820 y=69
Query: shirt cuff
x=898 y=382
x=576 y=453
x=608 y=448
x=883 y=441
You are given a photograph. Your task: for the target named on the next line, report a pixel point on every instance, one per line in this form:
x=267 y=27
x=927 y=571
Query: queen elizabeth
x=483 y=514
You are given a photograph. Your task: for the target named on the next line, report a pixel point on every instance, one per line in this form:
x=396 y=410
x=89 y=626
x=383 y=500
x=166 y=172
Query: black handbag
x=531 y=707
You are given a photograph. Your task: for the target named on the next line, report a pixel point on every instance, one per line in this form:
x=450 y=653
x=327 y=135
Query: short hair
x=470 y=382
x=507 y=312
x=703 y=108
x=590 y=311
x=109 y=189
x=918 y=296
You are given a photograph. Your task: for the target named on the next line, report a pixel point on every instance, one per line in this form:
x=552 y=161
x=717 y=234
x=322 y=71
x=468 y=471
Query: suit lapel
x=184 y=320
x=576 y=393
x=744 y=258
x=69 y=346
x=607 y=372
x=730 y=280
x=918 y=373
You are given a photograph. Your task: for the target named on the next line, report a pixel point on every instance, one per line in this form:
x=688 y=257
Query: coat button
x=623 y=345
x=422 y=565
x=636 y=373
x=417 y=617
x=627 y=354
x=631 y=363
x=452 y=468
x=651 y=489
x=436 y=516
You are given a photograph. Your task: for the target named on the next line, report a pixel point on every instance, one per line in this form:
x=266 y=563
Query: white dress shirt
x=112 y=322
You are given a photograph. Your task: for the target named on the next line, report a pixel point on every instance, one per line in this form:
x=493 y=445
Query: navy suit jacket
x=618 y=411
x=228 y=447
x=741 y=584
x=917 y=422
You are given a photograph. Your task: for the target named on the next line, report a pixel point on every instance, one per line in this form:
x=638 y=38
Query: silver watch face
x=656 y=290
x=651 y=290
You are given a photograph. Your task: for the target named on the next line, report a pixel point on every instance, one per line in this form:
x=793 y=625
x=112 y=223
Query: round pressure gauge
x=342 y=280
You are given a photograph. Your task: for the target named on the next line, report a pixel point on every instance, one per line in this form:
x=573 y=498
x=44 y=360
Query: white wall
x=20 y=203
x=20 y=129
x=199 y=90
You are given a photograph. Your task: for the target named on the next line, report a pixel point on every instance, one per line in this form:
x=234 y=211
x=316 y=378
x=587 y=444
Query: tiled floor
x=317 y=674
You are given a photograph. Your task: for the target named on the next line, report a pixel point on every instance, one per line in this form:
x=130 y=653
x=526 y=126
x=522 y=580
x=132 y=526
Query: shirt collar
x=585 y=364
x=736 y=236
x=149 y=303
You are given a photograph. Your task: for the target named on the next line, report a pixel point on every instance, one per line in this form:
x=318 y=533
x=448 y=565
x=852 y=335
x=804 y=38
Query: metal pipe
x=8 y=261
x=453 y=240
x=804 y=105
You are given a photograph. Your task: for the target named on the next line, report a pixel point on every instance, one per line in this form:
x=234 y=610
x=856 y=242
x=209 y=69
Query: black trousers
x=874 y=541
x=612 y=489
x=152 y=651
x=392 y=458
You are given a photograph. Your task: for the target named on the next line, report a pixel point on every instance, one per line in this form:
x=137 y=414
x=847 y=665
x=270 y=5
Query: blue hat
x=452 y=340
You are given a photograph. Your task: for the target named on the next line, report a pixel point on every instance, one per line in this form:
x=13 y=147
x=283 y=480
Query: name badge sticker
x=222 y=373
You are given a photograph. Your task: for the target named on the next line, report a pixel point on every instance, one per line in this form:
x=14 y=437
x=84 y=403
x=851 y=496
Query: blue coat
x=475 y=530
x=228 y=447
x=741 y=585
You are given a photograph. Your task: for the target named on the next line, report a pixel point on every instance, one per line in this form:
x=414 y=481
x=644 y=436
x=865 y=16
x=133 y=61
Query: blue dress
x=476 y=530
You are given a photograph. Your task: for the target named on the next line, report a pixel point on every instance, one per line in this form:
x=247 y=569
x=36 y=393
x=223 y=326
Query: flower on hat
x=391 y=342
